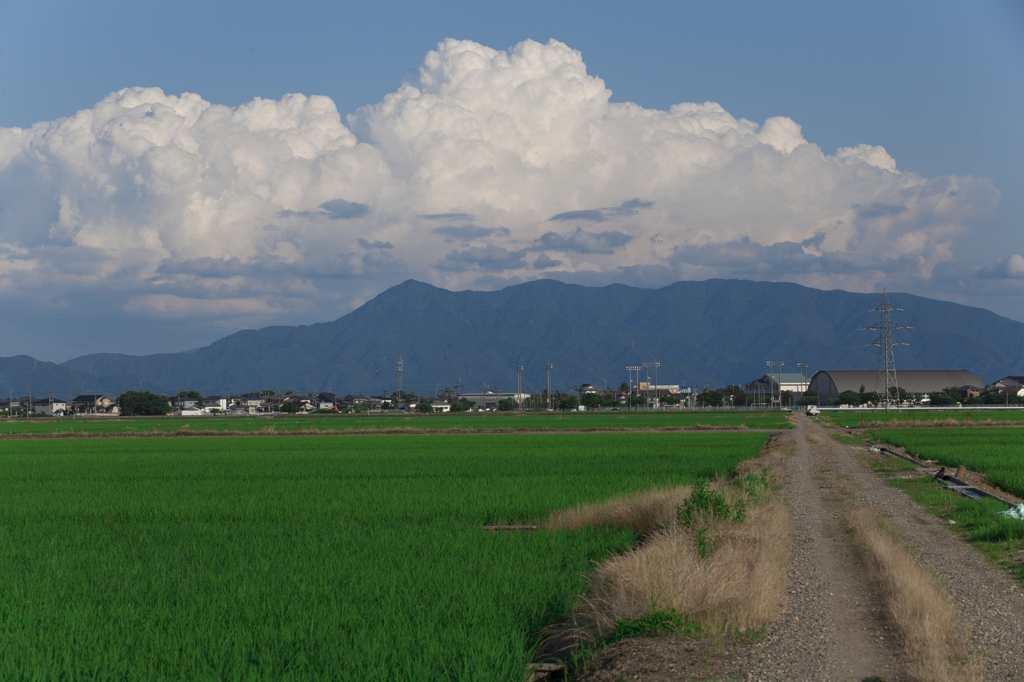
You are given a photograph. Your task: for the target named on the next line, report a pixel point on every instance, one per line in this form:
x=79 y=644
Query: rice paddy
x=475 y=421
x=911 y=417
x=310 y=558
x=997 y=452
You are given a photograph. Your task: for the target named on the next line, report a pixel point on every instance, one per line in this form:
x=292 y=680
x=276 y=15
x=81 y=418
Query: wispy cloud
x=600 y=215
x=584 y=242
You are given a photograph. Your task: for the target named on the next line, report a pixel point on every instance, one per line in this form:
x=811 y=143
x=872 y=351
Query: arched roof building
x=831 y=382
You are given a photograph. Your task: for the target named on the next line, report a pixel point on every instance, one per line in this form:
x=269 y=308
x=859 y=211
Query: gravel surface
x=831 y=627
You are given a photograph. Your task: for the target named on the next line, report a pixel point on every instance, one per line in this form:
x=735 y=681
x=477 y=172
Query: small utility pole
x=519 y=386
x=398 y=367
x=550 y=401
x=772 y=364
x=631 y=369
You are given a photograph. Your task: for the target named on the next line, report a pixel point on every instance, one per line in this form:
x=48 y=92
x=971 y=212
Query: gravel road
x=831 y=627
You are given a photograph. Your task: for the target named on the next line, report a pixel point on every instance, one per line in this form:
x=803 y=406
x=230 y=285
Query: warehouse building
x=831 y=382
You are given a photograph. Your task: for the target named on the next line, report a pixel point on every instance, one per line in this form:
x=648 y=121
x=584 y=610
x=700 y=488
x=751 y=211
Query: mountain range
x=710 y=332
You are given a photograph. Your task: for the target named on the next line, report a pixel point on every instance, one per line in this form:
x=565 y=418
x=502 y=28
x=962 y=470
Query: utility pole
x=772 y=364
x=885 y=378
x=803 y=378
x=647 y=371
x=519 y=386
x=631 y=369
x=398 y=367
x=550 y=400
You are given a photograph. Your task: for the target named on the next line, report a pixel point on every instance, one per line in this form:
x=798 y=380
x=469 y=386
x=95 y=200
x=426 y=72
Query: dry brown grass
x=740 y=585
x=642 y=512
x=915 y=602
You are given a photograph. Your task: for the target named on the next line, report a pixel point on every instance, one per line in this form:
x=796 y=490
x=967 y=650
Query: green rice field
x=923 y=417
x=314 y=558
x=993 y=451
x=475 y=421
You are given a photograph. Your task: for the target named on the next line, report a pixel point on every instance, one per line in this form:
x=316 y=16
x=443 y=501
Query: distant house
x=304 y=403
x=1012 y=390
x=353 y=399
x=94 y=404
x=215 y=403
x=251 y=402
x=273 y=403
x=489 y=400
x=648 y=389
x=1009 y=382
x=52 y=407
x=440 y=406
x=327 y=401
x=182 y=403
x=790 y=381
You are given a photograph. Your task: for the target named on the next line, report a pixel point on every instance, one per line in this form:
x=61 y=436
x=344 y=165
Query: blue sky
x=937 y=84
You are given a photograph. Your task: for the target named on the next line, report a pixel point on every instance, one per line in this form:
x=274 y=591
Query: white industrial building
x=831 y=382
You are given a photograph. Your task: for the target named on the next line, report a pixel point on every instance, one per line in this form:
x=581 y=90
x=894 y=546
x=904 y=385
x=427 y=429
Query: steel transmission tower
x=885 y=379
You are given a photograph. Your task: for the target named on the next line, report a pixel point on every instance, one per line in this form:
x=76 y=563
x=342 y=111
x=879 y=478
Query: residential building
x=766 y=384
x=211 y=403
x=646 y=388
x=94 y=404
x=488 y=400
x=51 y=406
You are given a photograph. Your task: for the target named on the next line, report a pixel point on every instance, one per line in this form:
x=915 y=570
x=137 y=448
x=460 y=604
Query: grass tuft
x=915 y=602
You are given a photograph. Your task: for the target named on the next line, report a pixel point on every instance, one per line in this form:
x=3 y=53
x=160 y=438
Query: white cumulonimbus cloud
x=486 y=167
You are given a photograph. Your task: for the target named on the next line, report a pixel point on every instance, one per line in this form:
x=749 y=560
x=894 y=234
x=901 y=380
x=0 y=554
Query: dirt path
x=847 y=639
x=832 y=625
x=831 y=628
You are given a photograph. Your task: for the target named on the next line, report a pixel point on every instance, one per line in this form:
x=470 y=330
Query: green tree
x=710 y=398
x=947 y=396
x=899 y=394
x=191 y=395
x=568 y=402
x=592 y=401
x=506 y=405
x=812 y=397
x=849 y=398
x=462 y=405
x=424 y=406
x=670 y=399
x=288 y=407
x=143 y=403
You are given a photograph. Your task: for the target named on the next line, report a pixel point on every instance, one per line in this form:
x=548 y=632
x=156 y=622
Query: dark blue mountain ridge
x=714 y=331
